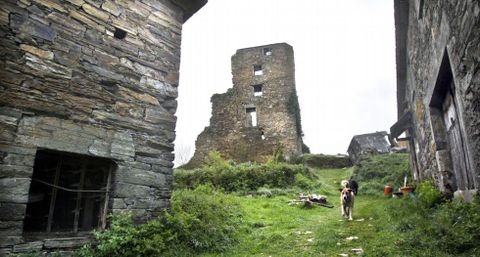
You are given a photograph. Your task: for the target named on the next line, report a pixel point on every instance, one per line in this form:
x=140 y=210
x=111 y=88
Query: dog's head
x=346 y=195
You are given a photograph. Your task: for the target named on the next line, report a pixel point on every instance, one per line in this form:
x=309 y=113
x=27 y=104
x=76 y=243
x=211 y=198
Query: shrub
x=199 y=220
x=232 y=177
x=321 y=161
x=429 y=225
x=374 y=172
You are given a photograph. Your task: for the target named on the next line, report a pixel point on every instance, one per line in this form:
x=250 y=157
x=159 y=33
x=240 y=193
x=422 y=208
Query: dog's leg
x=350 y=213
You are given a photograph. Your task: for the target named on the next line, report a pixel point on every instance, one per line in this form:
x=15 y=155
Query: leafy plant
x=232 y=177
x=199 y=220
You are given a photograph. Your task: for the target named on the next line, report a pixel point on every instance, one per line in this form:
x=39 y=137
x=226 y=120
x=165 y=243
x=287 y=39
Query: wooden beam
x=54 y=196
x=404 y=123
x=79 y=196
x=107 y=198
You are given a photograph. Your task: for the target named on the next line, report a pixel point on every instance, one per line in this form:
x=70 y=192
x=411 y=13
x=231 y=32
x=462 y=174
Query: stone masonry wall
x=69 y=82
x=435 y=29
x=277 y=109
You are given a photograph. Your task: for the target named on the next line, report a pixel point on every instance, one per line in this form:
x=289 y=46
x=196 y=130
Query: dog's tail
x=344 y=184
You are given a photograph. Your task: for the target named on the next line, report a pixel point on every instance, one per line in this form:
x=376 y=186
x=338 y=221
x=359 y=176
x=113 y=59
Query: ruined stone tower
x=260 y=112
x=88 y=94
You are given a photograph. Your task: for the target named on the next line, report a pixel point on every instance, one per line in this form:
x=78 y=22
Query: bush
x=321 y=161
x=232 y=177
x=374 y=172
x=199 y=220
x=429 y=225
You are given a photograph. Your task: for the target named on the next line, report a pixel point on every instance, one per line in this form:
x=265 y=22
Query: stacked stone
x=278 y=113
x=93 y=77
x=430 y=33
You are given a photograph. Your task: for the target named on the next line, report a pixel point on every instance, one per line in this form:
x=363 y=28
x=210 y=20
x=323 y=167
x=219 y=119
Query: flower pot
x=406 y=190
x=387 y=191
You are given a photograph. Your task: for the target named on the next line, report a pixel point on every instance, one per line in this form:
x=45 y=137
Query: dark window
x=68 y=193
x=421 y=5
x=267 y=51
x=257 y=90
x=257 y=70
x=120 y=33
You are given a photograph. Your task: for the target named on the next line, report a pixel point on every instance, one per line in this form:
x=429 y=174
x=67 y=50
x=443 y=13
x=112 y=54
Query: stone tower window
x=119 y=33
x=257 y=90
x=68 y=193
x=421 y=4
x=267 y=51
x=257 y=70
x=252 y=114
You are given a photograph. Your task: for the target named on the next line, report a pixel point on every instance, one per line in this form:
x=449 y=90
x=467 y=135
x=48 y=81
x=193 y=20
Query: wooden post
x=79 y=196
x=107 y=198
x=54 y=196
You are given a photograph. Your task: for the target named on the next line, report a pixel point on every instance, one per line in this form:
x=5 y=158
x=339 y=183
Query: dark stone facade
x=95 y=78
x=260 y=112
x=438 y=90
x=365 y=144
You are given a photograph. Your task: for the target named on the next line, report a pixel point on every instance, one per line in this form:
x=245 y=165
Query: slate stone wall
x=67 y=83
x=278 y=112
x=437 y=30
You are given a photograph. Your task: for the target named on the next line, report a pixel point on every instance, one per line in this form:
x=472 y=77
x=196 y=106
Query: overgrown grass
x=422 y=224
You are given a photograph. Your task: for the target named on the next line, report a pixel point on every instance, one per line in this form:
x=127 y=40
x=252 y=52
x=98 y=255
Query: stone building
x=259 y=113
x=88 y=94
x=438 y=90
x=365 y=144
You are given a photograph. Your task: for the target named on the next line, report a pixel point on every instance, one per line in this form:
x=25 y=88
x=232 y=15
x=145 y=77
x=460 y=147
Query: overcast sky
x=344 y=64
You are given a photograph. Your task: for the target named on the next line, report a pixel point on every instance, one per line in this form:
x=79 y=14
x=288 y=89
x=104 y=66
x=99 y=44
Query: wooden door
x=455 y=143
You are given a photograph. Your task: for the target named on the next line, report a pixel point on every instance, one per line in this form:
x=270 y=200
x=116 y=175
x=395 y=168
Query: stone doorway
x=451 y=150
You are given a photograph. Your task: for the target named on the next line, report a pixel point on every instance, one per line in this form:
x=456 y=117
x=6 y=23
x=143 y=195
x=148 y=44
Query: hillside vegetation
x=208 y=222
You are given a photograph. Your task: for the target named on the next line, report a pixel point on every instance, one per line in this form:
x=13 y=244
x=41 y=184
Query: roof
x=375 y=141
x=189 y=7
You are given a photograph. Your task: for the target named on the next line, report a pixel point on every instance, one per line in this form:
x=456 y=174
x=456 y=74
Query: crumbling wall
x=442 y=32
x=93 y=77
x=276 y=106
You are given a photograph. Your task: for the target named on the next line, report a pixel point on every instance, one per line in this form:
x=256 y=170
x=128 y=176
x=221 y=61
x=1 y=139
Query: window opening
x=257 y=90
x=252 y=112
x=68 y=193
x=119 y=33
x=263 y=135
x=420 y=9
x=257 y=70
x=267 y=51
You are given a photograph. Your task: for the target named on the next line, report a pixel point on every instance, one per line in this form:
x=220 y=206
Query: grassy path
x=275 y=228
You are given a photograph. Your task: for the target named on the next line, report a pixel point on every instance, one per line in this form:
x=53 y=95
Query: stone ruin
x=438 y=91
x=260 y=113
x=88 y=94
x=366 y=144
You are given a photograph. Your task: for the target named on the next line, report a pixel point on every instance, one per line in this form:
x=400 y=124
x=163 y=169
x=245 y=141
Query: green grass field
x=275 y=228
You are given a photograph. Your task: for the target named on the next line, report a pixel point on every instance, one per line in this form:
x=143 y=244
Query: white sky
x=344 y=64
